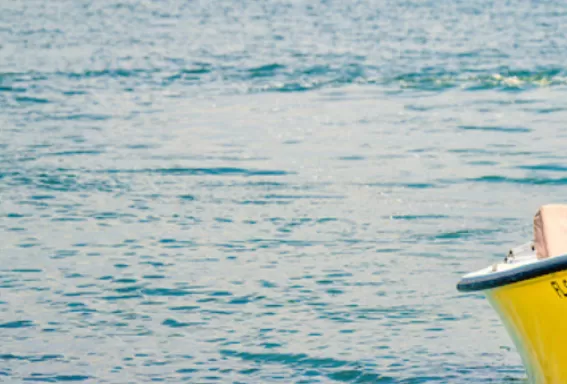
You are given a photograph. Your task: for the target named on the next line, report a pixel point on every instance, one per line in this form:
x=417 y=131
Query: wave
x=495 y=129
x=496 y=179
x=218 y=171
x=336 y=370
x=279 y=77
x=60 y=180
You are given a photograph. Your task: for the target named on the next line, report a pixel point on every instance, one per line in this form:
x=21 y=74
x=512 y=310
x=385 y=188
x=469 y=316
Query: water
x=269 y=191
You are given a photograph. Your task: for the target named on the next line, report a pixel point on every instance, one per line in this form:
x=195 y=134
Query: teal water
x=270 y=191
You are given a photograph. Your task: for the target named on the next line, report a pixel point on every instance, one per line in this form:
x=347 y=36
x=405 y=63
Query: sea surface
x=281 y=191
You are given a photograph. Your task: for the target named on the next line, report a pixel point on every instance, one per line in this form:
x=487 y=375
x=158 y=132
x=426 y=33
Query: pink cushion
x=550 y=231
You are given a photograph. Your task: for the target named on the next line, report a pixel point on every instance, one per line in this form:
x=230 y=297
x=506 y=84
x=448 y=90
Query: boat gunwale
x=523 y=272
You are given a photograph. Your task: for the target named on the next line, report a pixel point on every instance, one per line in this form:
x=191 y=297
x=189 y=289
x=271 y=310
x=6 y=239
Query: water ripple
x=269 y=191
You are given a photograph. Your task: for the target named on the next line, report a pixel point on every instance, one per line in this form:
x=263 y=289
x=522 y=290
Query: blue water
x=270 y=191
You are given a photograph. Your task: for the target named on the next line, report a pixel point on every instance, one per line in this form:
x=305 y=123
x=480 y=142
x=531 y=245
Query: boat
x=528 y=290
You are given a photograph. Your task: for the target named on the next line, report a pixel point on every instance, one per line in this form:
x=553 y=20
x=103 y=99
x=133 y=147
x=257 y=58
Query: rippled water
x=269 y=191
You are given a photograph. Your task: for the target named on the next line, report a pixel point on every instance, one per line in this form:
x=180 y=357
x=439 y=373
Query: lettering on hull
x=560 y=288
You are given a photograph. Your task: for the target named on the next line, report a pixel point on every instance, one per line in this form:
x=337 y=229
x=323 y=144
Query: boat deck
x=520 y=264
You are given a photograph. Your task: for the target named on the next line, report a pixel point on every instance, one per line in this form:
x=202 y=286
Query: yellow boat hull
x=534 y=313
